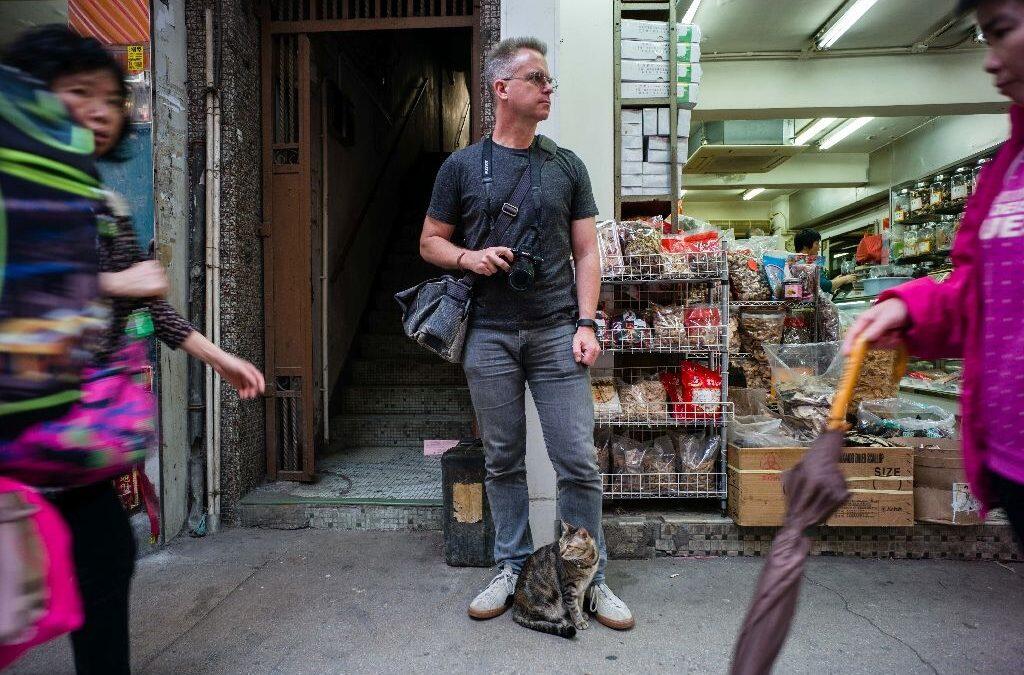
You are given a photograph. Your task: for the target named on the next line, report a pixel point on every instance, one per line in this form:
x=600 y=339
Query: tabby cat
x=553 y=581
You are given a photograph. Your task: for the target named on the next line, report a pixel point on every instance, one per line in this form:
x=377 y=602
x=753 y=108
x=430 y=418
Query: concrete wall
x=442 y=59
x=170 y=122
x=243 y=460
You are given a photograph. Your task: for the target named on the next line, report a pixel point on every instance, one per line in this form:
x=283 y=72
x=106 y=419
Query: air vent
x=728 y=159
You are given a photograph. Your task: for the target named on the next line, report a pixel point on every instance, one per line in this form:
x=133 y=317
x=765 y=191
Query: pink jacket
x=945 y=318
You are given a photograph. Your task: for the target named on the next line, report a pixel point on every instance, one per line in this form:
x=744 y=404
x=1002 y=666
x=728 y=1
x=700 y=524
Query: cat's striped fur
x=551 y=586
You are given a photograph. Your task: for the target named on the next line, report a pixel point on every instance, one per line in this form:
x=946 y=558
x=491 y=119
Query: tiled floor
x=370 y=475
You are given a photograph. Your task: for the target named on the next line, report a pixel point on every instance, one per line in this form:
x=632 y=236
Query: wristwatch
x=586 y=323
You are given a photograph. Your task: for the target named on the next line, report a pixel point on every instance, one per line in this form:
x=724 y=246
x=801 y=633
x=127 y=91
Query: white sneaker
x=496 y=598
x=608 y=608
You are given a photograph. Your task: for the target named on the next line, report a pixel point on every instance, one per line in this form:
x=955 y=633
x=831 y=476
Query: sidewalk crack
x=874 y=625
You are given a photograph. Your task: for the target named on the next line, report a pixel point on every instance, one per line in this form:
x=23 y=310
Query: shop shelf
x=646 y=198
x=698 y=267
x=770 y=304
x=667 y=414
x=694 y=340
x=663 y=485
x=640 y=102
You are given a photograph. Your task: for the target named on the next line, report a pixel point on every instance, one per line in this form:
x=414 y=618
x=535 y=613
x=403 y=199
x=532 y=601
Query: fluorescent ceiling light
x=843 y=131
x=852 y=14
x=811 y=131
x=751 y=193
x=691 y=12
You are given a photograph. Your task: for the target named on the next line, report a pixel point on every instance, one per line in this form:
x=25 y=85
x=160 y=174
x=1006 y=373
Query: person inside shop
x=808 y=242
x=90 y=82
x=544 y=335
x=976 y=314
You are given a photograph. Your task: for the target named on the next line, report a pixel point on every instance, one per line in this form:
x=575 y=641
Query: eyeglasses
x=537 y=78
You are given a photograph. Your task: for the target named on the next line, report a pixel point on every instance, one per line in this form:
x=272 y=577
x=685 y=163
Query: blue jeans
x=499 y=364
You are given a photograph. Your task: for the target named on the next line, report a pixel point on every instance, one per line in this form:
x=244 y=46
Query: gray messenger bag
x=436 y=312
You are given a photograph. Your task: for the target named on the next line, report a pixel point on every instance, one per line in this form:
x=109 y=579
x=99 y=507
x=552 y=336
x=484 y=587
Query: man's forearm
x=441 y=252
x=588 y=284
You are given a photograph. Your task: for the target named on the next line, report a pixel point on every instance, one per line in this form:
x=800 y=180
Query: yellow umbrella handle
x=848 y=382
x=851 y=372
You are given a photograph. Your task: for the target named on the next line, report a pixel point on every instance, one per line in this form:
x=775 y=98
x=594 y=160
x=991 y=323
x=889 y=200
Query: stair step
x=385 y=321
x=402 y=373
x=390 y=431
x=394 y=346
x=405 y=400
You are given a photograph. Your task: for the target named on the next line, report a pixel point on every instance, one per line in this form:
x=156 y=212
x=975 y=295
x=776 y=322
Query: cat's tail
x=560 y=628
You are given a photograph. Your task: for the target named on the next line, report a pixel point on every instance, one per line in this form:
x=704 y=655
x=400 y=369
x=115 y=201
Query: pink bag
x=38 y=591
x=104 y=434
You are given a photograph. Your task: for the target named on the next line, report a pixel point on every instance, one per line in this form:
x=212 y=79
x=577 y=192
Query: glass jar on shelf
x=976 y=172
x=910 y=241
x=926 y=239
x=944 y=232
x=901 y=205
x=938 y=192
x=960 y=185
x=919 y=197
x=896 y=248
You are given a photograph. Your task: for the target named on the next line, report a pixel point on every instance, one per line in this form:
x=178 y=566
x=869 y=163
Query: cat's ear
x=566 y=528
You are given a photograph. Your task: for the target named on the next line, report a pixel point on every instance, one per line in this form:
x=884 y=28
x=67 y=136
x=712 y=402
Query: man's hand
x=585 y=347
x=844 y=280
x=146 y=279
x=879 y=325
x=488 y=261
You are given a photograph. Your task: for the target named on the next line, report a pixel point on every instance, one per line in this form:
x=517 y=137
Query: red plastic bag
x=869 y=250
x=702 y=391
x=674 y=388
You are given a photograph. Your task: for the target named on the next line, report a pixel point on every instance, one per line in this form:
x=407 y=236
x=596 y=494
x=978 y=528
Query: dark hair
x=805 y=239
x=53 y=51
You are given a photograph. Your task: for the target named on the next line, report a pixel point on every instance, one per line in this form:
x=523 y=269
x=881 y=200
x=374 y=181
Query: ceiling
x=876 y=134
x=731 y=26
x=21 y=14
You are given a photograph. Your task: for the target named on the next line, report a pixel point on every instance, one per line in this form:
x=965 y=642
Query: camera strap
x=529 y=182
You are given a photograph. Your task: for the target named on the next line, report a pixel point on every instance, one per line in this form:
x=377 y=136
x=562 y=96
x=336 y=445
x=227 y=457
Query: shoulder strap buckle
x=510 y=210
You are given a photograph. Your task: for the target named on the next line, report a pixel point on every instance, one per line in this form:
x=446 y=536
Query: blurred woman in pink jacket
x=977 y=313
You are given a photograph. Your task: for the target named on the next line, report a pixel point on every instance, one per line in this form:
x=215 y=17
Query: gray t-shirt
x=459 y=200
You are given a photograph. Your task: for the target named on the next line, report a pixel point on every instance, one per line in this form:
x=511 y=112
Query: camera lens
x=520 y=277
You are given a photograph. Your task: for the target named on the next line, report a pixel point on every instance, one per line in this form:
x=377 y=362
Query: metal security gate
x=292 y=213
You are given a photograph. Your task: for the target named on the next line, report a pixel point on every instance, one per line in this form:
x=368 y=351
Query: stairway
x=392 y=396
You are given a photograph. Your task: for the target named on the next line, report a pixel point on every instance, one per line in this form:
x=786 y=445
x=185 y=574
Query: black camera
x=524 y=270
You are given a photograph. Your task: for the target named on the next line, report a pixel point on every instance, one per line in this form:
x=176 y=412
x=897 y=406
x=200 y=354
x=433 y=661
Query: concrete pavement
x=314 y=601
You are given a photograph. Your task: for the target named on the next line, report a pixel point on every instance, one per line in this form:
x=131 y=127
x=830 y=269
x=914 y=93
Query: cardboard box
x=632 y=167
x=658 y=156
x=632 y=129
x=683 y=119
x=632 y=180
x=646 y=50
x=632 y=155
x=653 y=190
x=656 y=181
x=881 y=481
x=650 y=121
x=941 y=494
x=689 y=72
x=644 y=71
x=639 y=29
x=686 y=93
x=632 y=116
x=633 y=142
x=654 y=169
x=630 y=191
x=657 y=142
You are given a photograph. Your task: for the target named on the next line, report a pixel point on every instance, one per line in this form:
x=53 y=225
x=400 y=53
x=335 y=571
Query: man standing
x=808 y=242
x=543 y=335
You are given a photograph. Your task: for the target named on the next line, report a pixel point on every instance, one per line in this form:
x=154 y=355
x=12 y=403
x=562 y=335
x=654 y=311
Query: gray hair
x=498 y=64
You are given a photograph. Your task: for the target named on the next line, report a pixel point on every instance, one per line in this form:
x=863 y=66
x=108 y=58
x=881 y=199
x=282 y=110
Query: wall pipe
x=212 y=259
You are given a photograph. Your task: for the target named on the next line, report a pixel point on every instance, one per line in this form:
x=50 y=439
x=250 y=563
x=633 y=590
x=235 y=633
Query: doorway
x=361 y=103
